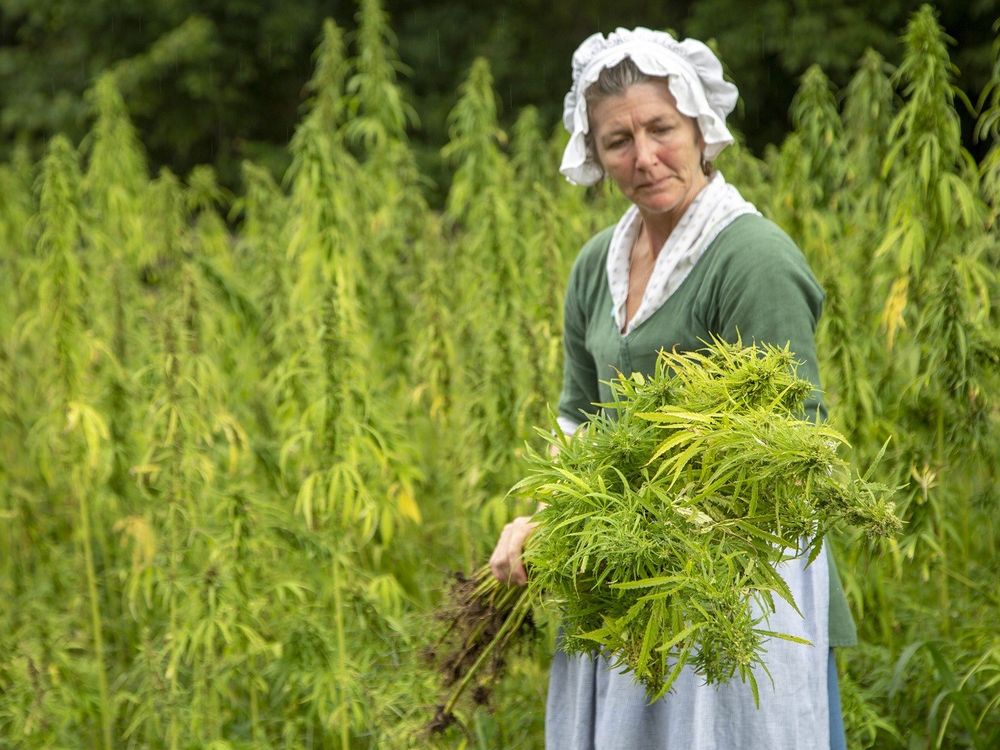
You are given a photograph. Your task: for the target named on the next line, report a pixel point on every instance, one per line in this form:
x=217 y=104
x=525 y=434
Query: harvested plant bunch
x=665 y=517
x=666 y=514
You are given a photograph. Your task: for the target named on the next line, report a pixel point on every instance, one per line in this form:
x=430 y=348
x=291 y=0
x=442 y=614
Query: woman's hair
x=615 y=81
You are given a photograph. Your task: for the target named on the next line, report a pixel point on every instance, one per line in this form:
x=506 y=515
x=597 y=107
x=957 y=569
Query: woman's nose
x=645 y=151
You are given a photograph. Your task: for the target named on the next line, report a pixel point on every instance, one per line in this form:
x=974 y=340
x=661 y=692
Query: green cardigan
x=752 y=281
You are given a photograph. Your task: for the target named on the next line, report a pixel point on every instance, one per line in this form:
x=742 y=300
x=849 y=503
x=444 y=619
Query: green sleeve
x=768 y=294
x=580 y=390
x=842 y=629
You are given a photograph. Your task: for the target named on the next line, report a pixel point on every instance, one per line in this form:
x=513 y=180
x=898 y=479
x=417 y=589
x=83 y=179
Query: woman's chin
x=659 y=204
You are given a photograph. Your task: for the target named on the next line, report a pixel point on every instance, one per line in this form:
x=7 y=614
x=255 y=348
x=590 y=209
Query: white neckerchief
x=712 y=210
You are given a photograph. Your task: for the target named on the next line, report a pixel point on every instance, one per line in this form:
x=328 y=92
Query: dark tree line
x=218 y=81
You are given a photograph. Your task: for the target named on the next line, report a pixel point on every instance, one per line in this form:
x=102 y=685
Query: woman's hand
x=506 y=561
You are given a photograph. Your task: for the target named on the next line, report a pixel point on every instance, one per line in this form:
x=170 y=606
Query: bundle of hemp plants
x=666 y=514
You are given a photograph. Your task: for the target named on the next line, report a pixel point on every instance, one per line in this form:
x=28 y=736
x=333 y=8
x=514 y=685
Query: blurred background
x=219 y=81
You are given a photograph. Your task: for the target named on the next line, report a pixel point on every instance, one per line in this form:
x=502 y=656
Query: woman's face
x=650 y=150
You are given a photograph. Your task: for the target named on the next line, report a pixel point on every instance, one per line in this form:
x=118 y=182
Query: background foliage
x=220 y=81
x=245 y=432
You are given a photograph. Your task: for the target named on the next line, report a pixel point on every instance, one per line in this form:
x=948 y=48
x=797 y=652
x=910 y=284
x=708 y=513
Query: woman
x=689 y=259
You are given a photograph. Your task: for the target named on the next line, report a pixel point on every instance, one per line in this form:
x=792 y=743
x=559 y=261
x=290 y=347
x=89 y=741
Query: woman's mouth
x=654 y=184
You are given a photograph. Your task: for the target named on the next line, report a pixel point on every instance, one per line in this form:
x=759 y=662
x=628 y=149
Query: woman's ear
x=699 y=140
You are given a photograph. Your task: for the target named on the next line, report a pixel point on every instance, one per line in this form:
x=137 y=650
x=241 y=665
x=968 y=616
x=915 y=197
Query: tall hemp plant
x=988 y=130
x=350 y=423
x=340 y=458
x=326 y=308
x=16 y=209
x=848 y=331
x=939 y=290
x=393 y=205
x=819 y=198
x=488 y=293
x=264 y=211
x=869 y=106
x=113 y=187
x=396 y=236
x=934 y=391
x=547 y=248
x=16 y=362
x=114 y=234
x=70 y=441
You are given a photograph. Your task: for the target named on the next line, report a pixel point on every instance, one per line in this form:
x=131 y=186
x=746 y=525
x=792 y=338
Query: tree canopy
x=222 y=80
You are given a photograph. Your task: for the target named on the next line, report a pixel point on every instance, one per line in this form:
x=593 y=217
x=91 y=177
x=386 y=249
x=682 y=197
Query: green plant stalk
x=95 y=620
x=210 y=672
x=119 y=400
x=254 y=707
x=174 y=447
x=172 y=634
x=944 y=594
x=338 y=616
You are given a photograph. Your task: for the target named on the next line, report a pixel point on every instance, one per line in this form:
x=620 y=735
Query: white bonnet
x=694 y=76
